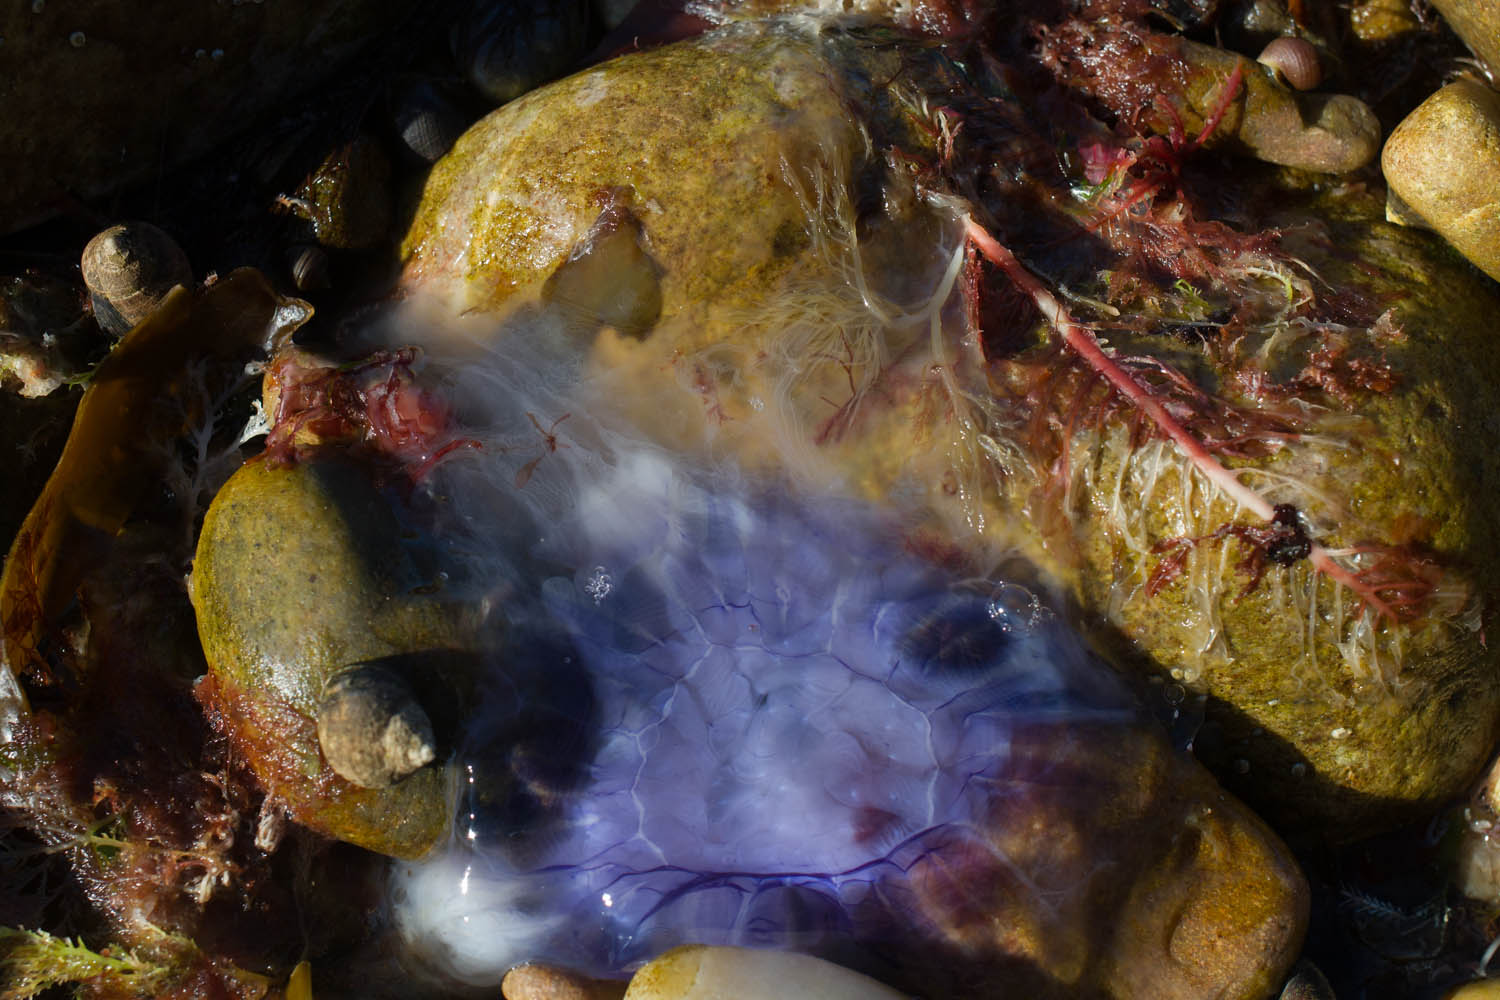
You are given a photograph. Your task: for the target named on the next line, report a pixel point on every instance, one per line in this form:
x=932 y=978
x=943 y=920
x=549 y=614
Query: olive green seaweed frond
x=33 y=961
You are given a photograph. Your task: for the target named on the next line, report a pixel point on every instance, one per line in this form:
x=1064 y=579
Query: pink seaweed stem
x=1079 y=339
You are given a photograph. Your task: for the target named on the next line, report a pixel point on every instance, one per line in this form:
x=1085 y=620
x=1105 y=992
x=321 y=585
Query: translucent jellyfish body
x=777 y=727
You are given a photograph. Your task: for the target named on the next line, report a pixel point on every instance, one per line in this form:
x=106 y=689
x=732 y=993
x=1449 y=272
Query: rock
x=1205 y=901
x=1441 y=161
x=695 y=972
x=1377 y=21
x=1389 y=719
x=109 y=98
x=1478 y=24
x=752 y=100
x=301 y=572
x=545 y=982
x=347 y=198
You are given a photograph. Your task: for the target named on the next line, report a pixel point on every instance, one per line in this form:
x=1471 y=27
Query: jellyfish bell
x=779 y=727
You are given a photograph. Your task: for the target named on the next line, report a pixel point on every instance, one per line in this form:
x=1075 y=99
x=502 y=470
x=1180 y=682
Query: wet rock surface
x=1441 y=162
x=721 y=224
x=300 y=574
x=693 y=972
x=543 y=982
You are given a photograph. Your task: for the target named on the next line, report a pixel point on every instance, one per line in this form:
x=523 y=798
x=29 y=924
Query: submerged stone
x=301 y=573
x=699 y=973
x=1442 y=160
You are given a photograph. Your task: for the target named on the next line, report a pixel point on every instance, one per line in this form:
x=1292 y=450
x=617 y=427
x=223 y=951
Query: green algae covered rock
x=691 y=142
x=302 y=573
x=1330 y=716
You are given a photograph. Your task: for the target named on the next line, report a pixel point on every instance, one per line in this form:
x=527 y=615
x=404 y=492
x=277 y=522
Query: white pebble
x=696 y=972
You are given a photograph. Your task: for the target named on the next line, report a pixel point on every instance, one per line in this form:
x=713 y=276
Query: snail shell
x=129 y=269
x=371 y=729
x=1294 y=60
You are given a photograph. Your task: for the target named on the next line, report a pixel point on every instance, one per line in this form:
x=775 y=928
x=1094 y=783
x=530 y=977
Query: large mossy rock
x=1329 y=717
x=301 y=573
x=522 y=189
x=813 y=318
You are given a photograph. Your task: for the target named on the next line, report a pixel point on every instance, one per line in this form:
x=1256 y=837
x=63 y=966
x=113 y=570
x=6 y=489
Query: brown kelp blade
x=119 y=445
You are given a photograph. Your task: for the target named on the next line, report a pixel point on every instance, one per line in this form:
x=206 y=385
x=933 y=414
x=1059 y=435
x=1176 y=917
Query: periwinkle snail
x=1293 y=60
x=129 y=268
x=371 y=729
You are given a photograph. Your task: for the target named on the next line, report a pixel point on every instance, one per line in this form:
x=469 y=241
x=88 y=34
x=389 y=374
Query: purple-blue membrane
x=738 y=721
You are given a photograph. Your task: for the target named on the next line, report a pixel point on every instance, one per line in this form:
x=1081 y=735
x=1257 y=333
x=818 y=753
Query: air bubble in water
x=599 y=584
x=1015 y=609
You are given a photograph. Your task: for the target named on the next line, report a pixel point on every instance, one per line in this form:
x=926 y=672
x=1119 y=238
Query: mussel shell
x=427 y=122
x=506 y=48
x=309 y=267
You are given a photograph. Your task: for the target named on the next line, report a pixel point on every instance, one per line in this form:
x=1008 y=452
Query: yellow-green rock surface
x=1443 y=161
x=694 y=140
x=300 y=573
